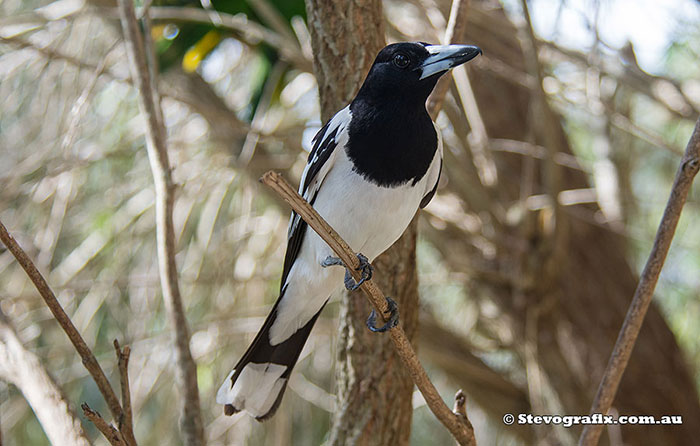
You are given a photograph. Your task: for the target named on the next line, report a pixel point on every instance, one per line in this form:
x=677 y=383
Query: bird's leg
x=393 y=311
x=332 y=261
x=350 y=283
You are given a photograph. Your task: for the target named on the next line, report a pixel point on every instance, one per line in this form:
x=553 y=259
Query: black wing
x=318 y=164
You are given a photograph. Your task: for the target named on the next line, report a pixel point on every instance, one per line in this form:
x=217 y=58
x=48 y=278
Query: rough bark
x=23 y=369
x=345 y=37
x=374 y=391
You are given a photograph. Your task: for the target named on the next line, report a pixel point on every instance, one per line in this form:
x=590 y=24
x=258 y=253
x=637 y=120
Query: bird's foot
x=350 y=284
x=366 y=269
x=332 y=261
x=393 y=321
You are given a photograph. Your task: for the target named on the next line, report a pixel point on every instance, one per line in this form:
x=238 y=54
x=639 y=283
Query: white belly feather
x=368 y=217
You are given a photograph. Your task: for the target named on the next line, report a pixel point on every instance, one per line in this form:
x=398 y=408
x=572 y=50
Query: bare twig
x=186 y=369
x=462 y=432
x=274 y=19
x=460 y=406
x=112 y=435
x=126 y=424
x=688 y=169
x=460 y=409
x=81 y=103
x=64 y=321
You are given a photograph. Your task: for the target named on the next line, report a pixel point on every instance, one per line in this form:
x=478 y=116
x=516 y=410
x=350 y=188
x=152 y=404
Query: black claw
x=350 y=283
x=393 y=310
x=367 y=271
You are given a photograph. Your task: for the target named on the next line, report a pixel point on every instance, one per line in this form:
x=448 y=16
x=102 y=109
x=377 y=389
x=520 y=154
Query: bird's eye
x=401 y=60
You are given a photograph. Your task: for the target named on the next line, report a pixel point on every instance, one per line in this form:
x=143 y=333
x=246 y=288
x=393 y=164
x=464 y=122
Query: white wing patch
x=320 y=162
x=327 y=143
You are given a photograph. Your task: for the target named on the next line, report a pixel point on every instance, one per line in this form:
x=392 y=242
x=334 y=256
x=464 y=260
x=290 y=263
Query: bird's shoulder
x=323 y=151
x=318 y=164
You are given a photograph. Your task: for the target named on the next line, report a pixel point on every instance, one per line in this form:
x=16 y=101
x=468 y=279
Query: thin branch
x=460 y=407
x=274 y=19
x=124 y=436
x=462 y=431
x=636 y=79
x=88 y=358
x=80 y=104
x=688 y=169
x=126 y=424
x=186 y=369
x=112 y=435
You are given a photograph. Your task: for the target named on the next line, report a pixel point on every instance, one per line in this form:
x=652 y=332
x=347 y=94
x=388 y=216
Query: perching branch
x=186 y=369
x=461 y=430
x=688 y=169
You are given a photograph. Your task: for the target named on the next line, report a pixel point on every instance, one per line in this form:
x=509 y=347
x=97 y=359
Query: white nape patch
x=338 y=123
x=255 y=390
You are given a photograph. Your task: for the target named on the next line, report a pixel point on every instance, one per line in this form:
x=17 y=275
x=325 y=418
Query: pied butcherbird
x=370 y=168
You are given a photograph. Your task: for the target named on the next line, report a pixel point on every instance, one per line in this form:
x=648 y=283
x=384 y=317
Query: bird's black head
x=409 y=70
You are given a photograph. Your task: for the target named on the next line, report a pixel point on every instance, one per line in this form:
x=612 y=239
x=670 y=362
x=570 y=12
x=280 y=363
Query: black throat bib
x=393 y=144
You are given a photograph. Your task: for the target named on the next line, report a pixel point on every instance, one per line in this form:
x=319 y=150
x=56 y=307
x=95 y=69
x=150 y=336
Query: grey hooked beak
x=445 y=57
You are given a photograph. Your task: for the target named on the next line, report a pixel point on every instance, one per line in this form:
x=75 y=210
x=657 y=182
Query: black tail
x=263 y=357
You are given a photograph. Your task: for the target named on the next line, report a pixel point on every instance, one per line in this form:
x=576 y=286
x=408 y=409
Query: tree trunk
x=374 y=390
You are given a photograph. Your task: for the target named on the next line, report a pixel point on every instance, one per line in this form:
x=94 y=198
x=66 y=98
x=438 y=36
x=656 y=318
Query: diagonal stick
x=89 y=360
x=461 y=430
x=688 y=169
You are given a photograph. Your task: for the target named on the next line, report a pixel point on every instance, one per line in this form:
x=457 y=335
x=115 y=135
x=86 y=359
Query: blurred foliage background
x=240 y=98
